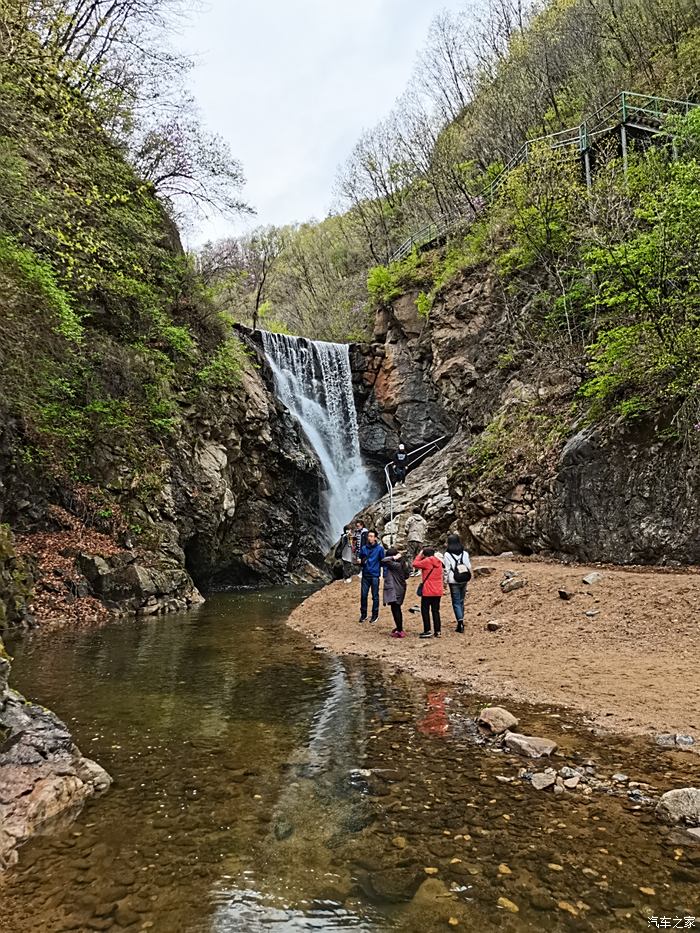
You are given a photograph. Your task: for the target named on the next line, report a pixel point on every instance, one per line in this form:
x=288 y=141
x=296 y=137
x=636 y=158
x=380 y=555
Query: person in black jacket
x=396 y=574
x=400 y=465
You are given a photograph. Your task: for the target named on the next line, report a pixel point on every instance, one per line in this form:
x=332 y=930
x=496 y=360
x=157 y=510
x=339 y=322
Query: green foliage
x=424 y=304
x=37 y=280
x=104 y=325
x=387 y=283
x=517 y=438
x=225 y=370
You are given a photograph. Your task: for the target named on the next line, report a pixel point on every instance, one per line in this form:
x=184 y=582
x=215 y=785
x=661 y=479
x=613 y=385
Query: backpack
x=461 y=573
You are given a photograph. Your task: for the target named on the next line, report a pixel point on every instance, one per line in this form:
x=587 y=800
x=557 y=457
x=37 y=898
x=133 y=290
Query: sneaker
x=400 y=634
x=460 y=628
x=373 y=620
x=363 y=620
x=437 y=635
x=349 y=580
x=395 y=634
x=426 y=635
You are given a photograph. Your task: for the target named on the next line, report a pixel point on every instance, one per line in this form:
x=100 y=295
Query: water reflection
x=261 y=785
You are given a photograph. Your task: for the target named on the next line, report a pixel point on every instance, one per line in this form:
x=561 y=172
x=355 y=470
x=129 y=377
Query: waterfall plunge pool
x=261 y=785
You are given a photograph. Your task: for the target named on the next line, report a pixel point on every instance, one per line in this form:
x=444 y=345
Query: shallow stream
x=261 y=785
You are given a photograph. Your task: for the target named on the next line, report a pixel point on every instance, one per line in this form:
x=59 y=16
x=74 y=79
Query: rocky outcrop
x=234 y=501
x=397 y=399
x=520 y=472
x=43 y=775
x=244 y=491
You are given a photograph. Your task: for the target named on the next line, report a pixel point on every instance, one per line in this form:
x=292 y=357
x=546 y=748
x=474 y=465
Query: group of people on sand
x=441 y=572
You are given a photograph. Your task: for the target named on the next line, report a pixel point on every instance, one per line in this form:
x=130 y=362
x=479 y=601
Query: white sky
x=292 y=83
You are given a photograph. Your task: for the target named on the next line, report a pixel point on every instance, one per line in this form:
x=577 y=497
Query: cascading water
x=313 y=380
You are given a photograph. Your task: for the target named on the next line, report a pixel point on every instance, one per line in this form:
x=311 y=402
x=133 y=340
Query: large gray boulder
x=680 y=806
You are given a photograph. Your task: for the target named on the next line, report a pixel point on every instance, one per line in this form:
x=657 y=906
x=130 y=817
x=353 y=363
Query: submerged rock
x=543 y=779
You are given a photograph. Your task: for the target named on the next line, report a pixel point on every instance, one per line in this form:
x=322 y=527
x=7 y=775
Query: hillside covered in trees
x=489 y=78
x=113 y=357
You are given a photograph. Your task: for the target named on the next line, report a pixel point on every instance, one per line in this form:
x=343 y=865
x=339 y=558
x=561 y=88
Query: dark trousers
x=458 y=591
x=369 y=583
x=430 y=604
x=347 y=569
x=397 y=615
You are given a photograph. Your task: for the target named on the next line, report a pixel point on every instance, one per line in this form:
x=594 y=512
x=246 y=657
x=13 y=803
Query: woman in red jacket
x=431 y=592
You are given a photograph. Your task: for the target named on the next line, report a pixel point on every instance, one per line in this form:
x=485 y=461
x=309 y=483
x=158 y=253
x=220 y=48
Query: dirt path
x=633 y=665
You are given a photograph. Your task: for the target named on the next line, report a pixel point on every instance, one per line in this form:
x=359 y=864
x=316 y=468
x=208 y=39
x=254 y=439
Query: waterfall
x=313 y=380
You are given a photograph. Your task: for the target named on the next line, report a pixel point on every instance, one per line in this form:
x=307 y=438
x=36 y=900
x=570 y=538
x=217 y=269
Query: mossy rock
x=16 y=583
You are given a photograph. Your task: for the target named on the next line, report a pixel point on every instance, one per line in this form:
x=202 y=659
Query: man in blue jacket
x=371 y=557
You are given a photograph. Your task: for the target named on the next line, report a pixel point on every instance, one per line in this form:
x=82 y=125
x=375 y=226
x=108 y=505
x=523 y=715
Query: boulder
x=396 y=884
x=529 y=745
x=497 y=720
x=680 y=806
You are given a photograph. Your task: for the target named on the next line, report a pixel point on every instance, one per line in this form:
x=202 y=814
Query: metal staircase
x=627 y=114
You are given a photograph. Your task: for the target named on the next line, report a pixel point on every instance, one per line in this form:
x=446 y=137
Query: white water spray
x=313 y=380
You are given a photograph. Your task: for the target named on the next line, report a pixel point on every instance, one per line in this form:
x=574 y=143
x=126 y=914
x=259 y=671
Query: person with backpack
x=458 y=572
x=430 y=590
x=395 y=576
x=371 y=556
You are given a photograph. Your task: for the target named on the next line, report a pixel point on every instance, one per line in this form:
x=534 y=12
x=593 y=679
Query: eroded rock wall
x=523 y=472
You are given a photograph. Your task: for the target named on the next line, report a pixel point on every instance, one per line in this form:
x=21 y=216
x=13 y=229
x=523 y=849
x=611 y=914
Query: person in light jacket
x=415 y=530
x=431 y=568
x=395 y=576
x=458 y=572
x=347 y=556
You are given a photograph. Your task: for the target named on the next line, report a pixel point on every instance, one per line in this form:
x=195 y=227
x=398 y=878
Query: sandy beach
x=622 y=651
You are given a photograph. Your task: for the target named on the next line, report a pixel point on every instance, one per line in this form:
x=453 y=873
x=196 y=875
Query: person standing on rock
x=395 y=576
x=347 y=554
x=430 y=590
x=415 y=531
x=458 y=572
x=400 y=465
x=371 y=556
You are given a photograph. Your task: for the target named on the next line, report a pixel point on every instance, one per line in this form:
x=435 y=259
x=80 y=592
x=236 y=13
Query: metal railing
x=627 y=111
x=422 y=452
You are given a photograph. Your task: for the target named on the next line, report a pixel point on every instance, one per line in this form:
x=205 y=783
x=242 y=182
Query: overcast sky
x=292 y=83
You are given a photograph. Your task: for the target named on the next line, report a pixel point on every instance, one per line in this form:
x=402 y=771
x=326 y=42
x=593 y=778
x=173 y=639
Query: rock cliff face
x=520 y=473
x=43 y=775
x=233 y=503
